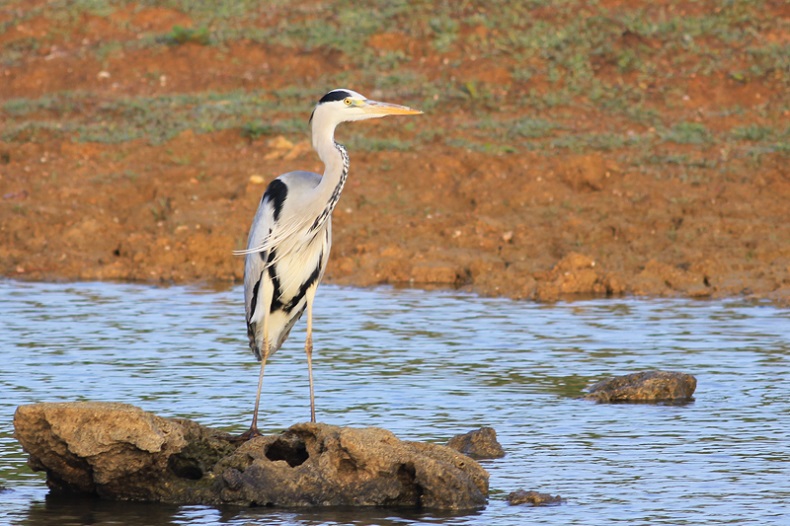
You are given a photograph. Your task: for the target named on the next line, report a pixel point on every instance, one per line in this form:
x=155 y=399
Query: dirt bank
x=525 y=216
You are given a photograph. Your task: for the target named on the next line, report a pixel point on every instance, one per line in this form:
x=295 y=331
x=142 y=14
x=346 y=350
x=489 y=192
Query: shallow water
x=427 y=365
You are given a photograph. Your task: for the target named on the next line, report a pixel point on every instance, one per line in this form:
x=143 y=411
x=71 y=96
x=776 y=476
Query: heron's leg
x=308 y=348
x=254 y=426
x=253 y=431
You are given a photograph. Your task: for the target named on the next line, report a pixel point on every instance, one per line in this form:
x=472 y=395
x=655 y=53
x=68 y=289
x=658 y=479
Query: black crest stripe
x=338 y=94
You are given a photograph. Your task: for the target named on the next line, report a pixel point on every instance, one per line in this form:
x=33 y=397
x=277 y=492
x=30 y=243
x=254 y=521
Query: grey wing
x=259 y=254
x=274 y=232
x=255 y=262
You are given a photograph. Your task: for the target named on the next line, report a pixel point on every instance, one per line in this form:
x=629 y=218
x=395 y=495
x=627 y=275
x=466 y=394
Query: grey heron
x=291 y=235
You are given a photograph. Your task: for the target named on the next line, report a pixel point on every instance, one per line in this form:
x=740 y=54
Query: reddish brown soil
x=537 y=225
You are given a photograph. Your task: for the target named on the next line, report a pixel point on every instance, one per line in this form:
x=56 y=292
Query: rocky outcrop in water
x=533 y=498
x=478 y=444
x=119 y=451
x=646 y=386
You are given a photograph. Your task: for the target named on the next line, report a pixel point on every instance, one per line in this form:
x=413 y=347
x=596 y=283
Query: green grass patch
x=688 y=133
x=156 y=119
x=752 y=133
x=256 y=129
x=627 y=65
x=378 y=144
x=183 y=35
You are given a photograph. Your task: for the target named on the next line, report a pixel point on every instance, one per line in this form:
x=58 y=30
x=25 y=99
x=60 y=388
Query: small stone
x=256 y=179
x=478 y=444
x=280 y=143
x=645 y=386
x=298 y=150
x=533 y=498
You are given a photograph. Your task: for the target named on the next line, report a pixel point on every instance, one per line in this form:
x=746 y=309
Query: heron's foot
x=247 y=435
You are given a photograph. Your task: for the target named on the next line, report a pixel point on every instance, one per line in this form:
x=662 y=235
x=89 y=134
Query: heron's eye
x=347 y=102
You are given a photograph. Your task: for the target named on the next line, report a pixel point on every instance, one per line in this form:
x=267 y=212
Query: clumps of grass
x=685 y=160
x=533 y=128
x=156 y=119
x=88 y=118
x=752 y=133
x=688 y=133
x=33 y=132
x=255 y=130
x=161 y=209
x=112 y=177
x=56 y=104
x=594 y=141
x=493 y=148
x=375 y=144
x=183 y=35
x=445 y=32
x=511 y=130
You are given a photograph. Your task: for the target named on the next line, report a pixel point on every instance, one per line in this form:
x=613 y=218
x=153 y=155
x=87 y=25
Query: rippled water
x=428 y=365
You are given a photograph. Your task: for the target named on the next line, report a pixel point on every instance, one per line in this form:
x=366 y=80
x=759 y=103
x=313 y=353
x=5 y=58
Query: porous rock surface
x=478 y=444
x=118 y=451
x=645 y=386
x=533 y=498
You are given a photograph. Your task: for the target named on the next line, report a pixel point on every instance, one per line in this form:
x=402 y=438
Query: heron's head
x=344 y=105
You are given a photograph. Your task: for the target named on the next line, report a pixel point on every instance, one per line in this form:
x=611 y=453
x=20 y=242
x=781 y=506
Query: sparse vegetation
x=636 y=66
x=255 y=130
x=688 y=133
x=182 y=35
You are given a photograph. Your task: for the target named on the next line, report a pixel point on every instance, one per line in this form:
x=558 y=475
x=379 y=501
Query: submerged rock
x=533 y=498
x=646 y=386
x=478 y=444
x=121 y=452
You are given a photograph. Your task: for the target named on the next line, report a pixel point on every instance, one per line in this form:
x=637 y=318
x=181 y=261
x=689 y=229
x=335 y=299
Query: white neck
x=323 y=136
x=335 y=165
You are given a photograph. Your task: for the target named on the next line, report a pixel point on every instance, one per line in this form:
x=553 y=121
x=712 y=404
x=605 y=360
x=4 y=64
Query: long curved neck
x=336 y=164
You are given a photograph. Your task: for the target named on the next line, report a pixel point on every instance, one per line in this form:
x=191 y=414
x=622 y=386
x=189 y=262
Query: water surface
x=427 y=365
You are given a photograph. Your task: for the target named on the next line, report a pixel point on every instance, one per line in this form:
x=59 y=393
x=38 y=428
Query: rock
x=478 y=444
x=533 y=498
x=121 y=452
x=105 y=448
x=646 y=386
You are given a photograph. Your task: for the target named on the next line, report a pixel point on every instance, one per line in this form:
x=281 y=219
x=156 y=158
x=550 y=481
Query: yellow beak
x=374 y=107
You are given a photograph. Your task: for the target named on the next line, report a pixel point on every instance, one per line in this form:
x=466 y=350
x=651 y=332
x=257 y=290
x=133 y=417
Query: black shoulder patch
x=338 y=94
x=276 y=192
